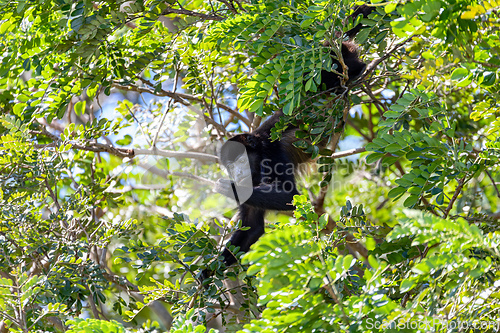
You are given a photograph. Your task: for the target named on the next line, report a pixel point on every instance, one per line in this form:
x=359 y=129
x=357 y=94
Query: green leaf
x=390 y=7
x=306 y=23
x=7 y=25
x=127 y=140
x=392 y=114
x=407 y=285
x=411 y=200
x=440 y=198
x=459 y=74
x=80 y=108
x=373 y=157
x=396 y=192
x=392 y=148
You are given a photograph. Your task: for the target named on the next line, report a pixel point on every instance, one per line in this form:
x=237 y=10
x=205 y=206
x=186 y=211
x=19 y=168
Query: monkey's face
x=241 y=161
x=240 y=170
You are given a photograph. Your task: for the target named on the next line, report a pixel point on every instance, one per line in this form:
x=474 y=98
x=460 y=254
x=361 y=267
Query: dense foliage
x=111 y=114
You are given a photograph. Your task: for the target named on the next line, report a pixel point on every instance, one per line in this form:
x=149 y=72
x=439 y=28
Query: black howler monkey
x=263 y=171
x=268 y=182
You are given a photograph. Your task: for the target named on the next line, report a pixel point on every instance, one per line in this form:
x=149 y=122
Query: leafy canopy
x=96 y=234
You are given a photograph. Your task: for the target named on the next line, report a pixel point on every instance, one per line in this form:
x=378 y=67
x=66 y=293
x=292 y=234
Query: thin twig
x=191 y=13
x=461 y=183
x=356 y=128
x=180 y=98
x=169 y=105
x=53 y=196
x=372 y=65
x=329 y=286
x=376 y=102
x=165 y=174
x=493 y=182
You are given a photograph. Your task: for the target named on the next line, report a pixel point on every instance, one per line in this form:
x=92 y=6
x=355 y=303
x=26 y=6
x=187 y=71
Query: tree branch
x=203 y=157
x=372 y=65
x=191 y=13
x=165 y=174
x=122 y=152
x=352 y=244
x=179 y=96
x=357 y=129
x=348 y=152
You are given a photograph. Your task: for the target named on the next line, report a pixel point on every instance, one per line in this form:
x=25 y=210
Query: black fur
x=355 y=67
x=273 y=180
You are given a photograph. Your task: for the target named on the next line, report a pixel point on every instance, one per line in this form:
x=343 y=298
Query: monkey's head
x=240 y=157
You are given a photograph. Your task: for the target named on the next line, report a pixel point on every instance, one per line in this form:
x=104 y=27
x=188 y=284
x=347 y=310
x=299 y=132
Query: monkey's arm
x=252 y=218
x=273 y=196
